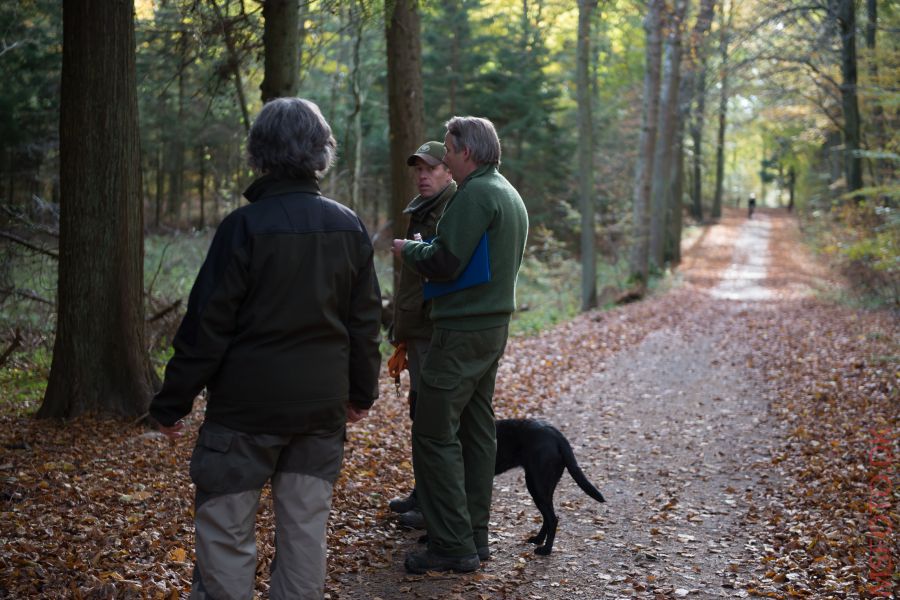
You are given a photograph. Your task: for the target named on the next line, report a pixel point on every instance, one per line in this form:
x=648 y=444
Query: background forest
x=623 y=124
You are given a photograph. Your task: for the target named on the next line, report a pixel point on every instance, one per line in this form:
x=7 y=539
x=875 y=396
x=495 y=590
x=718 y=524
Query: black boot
x=403 y=505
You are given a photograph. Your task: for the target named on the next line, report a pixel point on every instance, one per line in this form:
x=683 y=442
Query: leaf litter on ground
x=100 y=509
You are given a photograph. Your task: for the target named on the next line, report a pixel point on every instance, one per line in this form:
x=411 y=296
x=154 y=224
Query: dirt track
x=672 y=425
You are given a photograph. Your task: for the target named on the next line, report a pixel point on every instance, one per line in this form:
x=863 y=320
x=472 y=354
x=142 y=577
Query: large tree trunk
x=586 y=158
x=663 y=156
x=100 y=363
x=647 y=144
x=724 y=32
x=281 y=41
x=846 y=17
x=406 y=111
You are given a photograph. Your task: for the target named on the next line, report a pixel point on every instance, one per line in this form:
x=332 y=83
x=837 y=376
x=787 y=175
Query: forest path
x=670 y=421
x=735 y=424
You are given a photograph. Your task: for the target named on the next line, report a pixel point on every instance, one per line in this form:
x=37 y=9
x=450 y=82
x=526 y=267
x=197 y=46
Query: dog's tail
x=577 y=474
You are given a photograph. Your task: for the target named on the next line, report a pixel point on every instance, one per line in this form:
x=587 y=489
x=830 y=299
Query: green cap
x=431 y=152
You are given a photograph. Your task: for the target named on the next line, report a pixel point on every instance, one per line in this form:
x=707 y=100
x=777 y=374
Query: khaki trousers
x=229 y=469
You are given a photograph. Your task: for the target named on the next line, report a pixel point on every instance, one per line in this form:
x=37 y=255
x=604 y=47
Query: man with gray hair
x=454 y=437
x=282 y=329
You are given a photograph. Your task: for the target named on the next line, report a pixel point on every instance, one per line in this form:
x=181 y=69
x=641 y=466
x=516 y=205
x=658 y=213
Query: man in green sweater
x=454 y=438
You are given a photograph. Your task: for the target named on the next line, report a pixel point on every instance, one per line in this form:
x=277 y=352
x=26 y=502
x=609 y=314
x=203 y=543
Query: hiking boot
x=484 y=553
x=402 y=505
x=412 y=519
x=422 y=562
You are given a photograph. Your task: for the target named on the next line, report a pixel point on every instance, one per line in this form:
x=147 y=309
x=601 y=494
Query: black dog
x=543 y=452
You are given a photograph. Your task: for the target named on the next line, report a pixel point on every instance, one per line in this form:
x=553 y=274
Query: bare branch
x=21 y=241
x=17 y=341
x=28 y=295
x=29 y=223
x=4 y=47
x=165 y=311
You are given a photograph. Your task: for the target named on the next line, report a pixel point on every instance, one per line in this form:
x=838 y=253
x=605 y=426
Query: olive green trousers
x=454 y=437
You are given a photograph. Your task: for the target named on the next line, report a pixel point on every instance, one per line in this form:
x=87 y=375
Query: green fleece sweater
x=485 y=202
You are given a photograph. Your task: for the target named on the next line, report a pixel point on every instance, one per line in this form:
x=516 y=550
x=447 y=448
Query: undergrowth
x=548 y=293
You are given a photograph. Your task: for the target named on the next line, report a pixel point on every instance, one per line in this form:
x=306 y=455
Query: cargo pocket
x=435 y=410
x=440 y=380
x=225 y=462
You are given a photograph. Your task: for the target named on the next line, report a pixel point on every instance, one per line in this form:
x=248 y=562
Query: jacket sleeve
x=458 y=232
x=209 y=324
x=364 y=325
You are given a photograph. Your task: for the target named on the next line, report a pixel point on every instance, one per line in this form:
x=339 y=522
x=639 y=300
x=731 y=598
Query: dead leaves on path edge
x=97 y=510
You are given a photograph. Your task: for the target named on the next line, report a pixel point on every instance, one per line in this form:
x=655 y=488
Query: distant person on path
x=282 y=328
x=454 y=437
x=751 y=205
x=412 y=327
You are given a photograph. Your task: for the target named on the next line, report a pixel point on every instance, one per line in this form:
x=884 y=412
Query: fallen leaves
x=95 y=509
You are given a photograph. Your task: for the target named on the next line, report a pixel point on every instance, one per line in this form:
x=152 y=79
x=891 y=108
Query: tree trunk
x=724 y=32
x=672 y=249
x=663 y=156
x=405 y=106
x=201 y=187
x=586 y=158
x=354 y=121
x=687 y=88
x=281 y=43
x=643 y=170
x=100 y=363
x=160 y=184
x=175 y=154
x=846 y=16
x=792 y=178
x=697 y=137
x=882 y=168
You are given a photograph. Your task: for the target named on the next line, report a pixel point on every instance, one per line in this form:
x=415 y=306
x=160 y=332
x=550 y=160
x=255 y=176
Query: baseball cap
x=431 y=152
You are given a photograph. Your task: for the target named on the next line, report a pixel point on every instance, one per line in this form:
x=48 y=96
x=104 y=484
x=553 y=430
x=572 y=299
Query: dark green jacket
x=484 y=202
x=411 y=311
x=282 y=325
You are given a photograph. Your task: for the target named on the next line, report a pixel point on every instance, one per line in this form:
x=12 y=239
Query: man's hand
x=356 y=414
x=173 y=432
x=397 y=247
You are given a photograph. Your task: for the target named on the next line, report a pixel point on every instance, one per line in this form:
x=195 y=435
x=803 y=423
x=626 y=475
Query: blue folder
x=478 y=271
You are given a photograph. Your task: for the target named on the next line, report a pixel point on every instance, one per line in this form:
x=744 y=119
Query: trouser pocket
x=226 y=461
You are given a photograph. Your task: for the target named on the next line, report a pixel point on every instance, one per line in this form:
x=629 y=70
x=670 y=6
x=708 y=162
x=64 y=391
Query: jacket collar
x=421 y=205
x=482 y=170
x=274 y=185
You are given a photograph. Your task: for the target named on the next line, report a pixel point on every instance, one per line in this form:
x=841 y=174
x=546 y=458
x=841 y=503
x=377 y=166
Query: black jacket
x=282 y=324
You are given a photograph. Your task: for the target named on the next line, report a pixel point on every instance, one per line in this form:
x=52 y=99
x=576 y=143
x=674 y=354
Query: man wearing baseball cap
x=412 y=323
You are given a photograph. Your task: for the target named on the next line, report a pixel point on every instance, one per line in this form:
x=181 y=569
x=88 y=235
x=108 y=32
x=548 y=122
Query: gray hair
x=478 y=135
x=290 y=137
